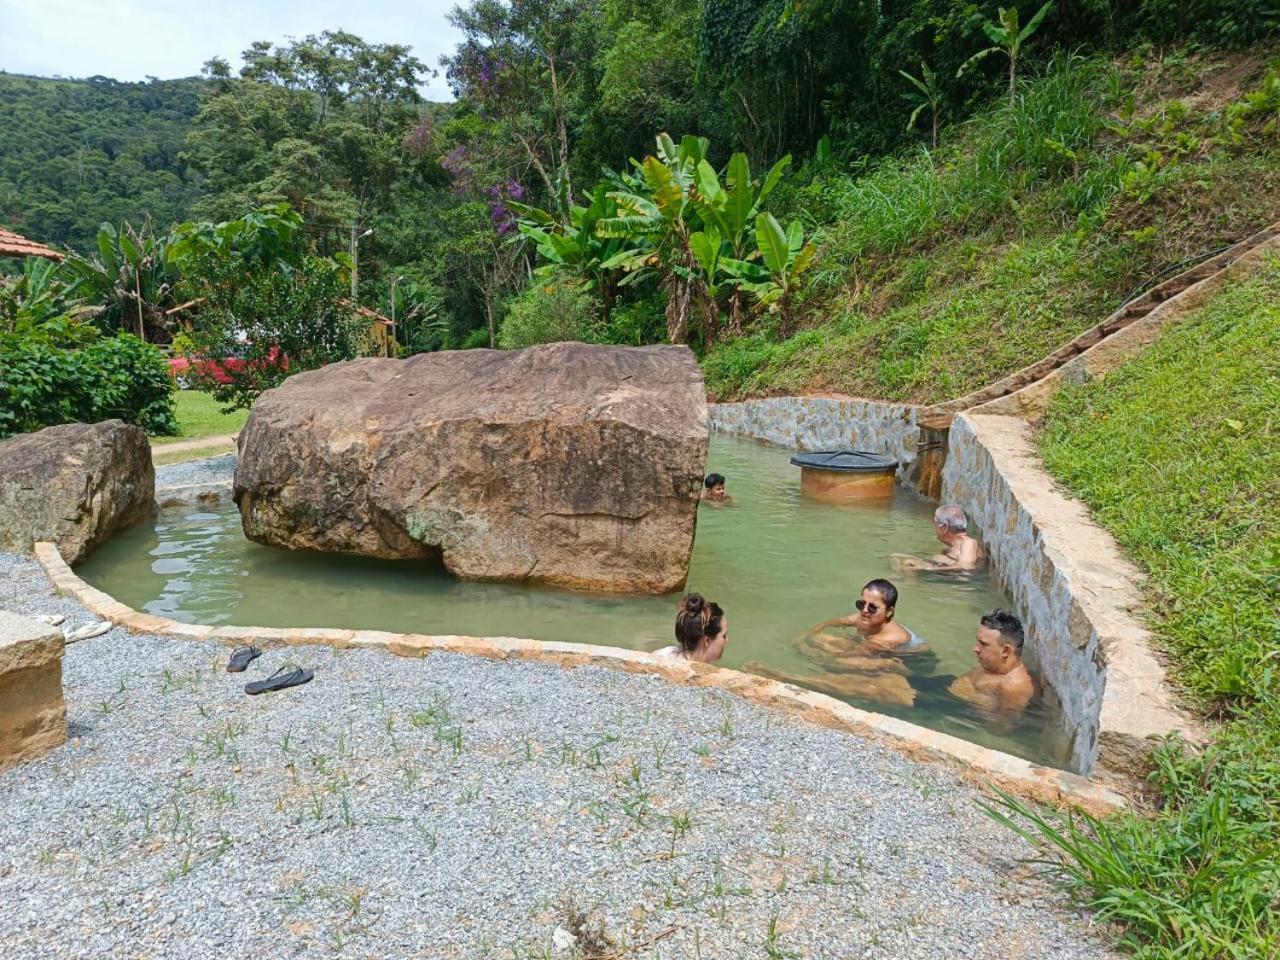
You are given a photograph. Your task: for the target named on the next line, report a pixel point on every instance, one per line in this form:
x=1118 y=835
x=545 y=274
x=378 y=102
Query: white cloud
x=130 y=39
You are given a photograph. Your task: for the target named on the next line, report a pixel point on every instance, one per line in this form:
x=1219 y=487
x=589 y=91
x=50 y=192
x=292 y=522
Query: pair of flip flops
x=282 y=679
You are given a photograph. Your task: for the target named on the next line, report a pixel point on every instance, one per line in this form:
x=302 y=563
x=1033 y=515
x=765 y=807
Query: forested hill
x=75 y=153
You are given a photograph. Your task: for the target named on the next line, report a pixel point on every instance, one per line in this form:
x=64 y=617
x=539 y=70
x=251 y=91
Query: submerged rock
x=566 y=464
x=75 y=485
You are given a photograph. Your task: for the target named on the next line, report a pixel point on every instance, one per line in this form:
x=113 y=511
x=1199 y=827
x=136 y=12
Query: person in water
x=713 y=489
x=870 y=667
x=702 y=631
x=879 y=635
x=1000 y=681
x=963 y=552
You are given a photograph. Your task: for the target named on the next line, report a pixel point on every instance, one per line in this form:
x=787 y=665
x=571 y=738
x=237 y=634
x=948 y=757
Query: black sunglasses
x=861 y=605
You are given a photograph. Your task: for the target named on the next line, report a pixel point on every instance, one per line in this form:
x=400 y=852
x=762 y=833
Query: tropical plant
x=786 y=256
x=576 y=246
x=1008 y=38
x=128 y=285
x=729 y=213
x=655 y=206
x=268 y=237
x=36 y=303
x=927 y=95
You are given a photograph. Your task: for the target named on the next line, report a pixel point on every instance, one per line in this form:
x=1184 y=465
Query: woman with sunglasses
x=869 y=668
x=881 y=639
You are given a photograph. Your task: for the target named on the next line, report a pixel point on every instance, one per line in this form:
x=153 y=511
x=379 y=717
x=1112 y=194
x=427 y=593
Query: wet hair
x=886 y=590
x=713 y=480
x=691 y=621
x=952 y=518
x=1007 y=625
x=715 y=621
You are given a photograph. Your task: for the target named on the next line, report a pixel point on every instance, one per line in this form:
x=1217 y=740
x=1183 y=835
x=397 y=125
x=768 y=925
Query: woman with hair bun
x=702 y=630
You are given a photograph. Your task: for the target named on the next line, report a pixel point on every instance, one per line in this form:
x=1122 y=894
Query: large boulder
x=566 y=464
x=75 y=485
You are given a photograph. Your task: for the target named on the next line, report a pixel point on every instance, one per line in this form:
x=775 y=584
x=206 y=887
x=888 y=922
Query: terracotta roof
x=14 y=245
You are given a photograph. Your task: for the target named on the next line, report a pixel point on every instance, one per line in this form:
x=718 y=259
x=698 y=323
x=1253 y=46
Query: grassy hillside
x=942 y=271
x=74 y=153
x=1178 y=454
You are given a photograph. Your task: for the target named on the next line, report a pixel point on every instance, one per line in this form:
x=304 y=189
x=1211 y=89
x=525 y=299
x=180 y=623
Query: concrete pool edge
x=980 y=765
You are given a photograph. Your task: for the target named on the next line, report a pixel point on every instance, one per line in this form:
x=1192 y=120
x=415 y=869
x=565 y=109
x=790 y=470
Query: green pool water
x=775 y=561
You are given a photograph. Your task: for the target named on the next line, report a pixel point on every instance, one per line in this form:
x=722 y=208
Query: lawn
x=1178 y=455
x=199 y=415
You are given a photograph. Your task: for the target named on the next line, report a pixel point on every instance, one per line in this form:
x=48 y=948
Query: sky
x=133 y=39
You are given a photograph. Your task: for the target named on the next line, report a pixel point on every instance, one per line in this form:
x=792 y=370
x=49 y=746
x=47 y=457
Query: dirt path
x=196 y=443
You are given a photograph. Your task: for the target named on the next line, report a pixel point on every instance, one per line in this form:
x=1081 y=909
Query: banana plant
x=129 y=282
x=655 y=207
x=604 y=263
x=732 y=209
x=1007 y=38
x=928 y=94
x=784 y=256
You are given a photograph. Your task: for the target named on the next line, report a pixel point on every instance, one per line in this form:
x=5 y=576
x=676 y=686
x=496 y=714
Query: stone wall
x=1073 y=589
x=825 y=423
x=33 y=715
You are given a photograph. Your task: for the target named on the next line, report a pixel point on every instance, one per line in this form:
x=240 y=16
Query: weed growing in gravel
x=115 y=702
x=681 y=824
x=773 y=950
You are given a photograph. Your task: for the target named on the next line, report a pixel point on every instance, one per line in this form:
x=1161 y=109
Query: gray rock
x=75 y=484
x=566 y=464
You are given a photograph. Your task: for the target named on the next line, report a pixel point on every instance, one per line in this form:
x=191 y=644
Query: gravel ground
x=208 y=470
x=457 y=807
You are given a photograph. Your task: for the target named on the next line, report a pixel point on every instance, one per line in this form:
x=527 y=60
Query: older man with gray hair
x=963 y=552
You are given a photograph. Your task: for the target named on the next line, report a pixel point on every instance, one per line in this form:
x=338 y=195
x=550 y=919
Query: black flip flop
x=241 y=657
x=282 y=678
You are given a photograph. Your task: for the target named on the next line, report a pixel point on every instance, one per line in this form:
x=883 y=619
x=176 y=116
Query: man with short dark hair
x=713 y=489
x=1001 y=680
x=963 y=552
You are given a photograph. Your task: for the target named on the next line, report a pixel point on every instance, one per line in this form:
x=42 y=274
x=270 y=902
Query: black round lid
x=845 y=461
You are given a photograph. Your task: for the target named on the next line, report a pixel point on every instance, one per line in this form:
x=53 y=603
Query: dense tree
x=75 y=153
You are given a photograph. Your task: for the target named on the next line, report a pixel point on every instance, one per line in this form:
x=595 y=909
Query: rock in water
x=75 y=485
x=566 y=464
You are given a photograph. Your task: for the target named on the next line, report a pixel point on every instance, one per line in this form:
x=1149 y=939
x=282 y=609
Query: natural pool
x=776 y=561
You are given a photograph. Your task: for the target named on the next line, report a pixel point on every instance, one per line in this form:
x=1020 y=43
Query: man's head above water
x=950 y=523
x=999 y=646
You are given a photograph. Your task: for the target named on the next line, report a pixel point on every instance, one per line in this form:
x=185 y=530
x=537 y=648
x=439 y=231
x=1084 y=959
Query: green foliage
x=1008 y=36
x=548 y=311
x=42 y=385
x=38 y=304
x=938 y=273
x=127 y=284
x=76 y=153
x=1200 y=880
x=274 y=322
x=1197 y=410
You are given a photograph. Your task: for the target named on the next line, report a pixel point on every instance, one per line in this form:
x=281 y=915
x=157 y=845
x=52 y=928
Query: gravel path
x=208 y=470
x=457 y=807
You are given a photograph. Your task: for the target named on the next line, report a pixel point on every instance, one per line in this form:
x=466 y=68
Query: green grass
x=1178 y=455
x=199 y=415
x=943 y=271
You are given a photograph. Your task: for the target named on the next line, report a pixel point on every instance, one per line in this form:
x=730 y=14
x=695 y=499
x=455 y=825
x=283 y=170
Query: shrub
x=42 y=385
x=275 y=320
x=547 y=312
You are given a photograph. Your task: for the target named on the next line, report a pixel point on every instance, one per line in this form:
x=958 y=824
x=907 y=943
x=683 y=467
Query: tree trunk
x=735 y=314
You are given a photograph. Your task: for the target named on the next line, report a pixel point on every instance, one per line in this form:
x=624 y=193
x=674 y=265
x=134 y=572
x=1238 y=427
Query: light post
x=355 y=253
x=393 y=313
